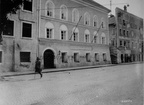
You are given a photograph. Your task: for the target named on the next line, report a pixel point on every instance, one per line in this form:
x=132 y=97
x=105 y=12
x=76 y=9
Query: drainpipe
x=38 y=22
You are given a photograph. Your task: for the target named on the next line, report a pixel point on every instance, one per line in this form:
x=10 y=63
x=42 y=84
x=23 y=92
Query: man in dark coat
x=38 y=67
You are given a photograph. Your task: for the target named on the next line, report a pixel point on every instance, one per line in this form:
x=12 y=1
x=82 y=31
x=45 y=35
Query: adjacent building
x=126 y=35
x=63 y=33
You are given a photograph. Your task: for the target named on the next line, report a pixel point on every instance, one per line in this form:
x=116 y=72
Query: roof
x=96 y=4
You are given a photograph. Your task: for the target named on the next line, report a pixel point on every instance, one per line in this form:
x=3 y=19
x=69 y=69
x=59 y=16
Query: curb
x=66 y=69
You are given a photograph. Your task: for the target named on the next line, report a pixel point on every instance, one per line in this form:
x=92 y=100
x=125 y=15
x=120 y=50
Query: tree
x=7 y=7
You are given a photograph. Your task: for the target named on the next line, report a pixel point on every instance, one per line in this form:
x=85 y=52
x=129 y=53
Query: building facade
x=64 y=33
x=128 y=39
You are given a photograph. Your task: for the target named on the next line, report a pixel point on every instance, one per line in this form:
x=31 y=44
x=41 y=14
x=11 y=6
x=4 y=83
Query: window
x=95 y=21
x=64 y=57
x=63 y=32
x=104 y=57
x=121 y=43
x=9 y=28
x=75 y=34
x=0 y=56
x=123 y=32
x=127 y=34
x=88 y=57
x=64 y=12
x=76 y=57
x=75 y=15
x=63 y=35
x=96 y=57
x=87 y=38
x=95 y=39
x=24 y=56
x=103 y=23
x=120 y=32
x=50 y=9
x=103 y=40
x=49 y=33
x=27 y=5
x=86 y=19
x=27 y=30
x=124 y=23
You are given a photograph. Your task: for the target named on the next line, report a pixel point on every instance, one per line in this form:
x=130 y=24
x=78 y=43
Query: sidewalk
x=9 y=74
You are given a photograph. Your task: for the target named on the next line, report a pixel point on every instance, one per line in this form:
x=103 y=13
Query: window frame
x=29 y=57
x=13 y=29
x=31 y=30
x=52 y=9
x=66 y=13
x=28 y=10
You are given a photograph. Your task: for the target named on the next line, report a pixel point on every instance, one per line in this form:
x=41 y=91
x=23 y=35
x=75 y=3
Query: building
x=63 y=33
x=126 y=35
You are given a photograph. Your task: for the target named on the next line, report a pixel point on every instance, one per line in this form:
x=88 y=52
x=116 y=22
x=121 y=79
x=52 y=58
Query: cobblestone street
x=116 y=85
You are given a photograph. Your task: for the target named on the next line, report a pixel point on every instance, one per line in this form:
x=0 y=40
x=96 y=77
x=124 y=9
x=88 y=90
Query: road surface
x=115 y=85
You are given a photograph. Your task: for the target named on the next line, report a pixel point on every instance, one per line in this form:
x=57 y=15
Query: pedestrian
x=38 y=68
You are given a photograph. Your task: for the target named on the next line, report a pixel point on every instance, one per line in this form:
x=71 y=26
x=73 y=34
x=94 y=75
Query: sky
x=136 y=7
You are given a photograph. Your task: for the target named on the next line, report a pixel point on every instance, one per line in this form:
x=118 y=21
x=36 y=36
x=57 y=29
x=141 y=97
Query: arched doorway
x=49 y=59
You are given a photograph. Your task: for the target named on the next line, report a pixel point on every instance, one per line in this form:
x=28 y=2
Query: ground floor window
x=104 y=57
x=24 y=56
x=88 y=57
x=76 y=57
x=64 y=57
x=0 y=56
x=96 y=57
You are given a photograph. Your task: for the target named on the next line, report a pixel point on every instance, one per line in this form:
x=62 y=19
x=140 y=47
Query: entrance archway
x=49 y=59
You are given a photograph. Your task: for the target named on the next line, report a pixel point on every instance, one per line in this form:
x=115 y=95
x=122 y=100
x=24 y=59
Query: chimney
x=125 y=8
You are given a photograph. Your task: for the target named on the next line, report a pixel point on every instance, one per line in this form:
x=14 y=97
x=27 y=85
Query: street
x=114 y=85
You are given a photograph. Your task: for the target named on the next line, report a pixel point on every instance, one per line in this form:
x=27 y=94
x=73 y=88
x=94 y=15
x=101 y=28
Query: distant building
x=126 y=36
x=63 y=33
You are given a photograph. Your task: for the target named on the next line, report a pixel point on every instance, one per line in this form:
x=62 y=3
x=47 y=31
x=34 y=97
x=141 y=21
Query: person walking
x=38 y=68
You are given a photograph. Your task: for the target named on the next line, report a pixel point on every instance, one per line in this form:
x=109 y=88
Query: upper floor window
x=9 y=28
x=95 y=21
x=103 y=24
x=27 y=30
x=75 y=15
x=75 y=35
x=95 y=38
x=86 y=18
x=63 y=12
x=27 y=5
x=63 y=32
x=49 y=30
x=103 y=38
x=120 y=31
x=87 y=36
x=124 y=23
x=50 y=9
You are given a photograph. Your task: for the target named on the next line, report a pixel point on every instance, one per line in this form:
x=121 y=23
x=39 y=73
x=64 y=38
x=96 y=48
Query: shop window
x=0 y=56
x=88 y=57
x=64 y=57
x=76 y=57
x=27 y=30
x=27 y=5
x=24 y=56
x=9 y=28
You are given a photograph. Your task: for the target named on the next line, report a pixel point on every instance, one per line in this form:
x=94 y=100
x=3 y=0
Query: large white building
x=63 y=33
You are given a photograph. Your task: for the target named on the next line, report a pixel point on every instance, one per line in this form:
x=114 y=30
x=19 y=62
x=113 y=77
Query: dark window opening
x=27 y=29
x=0 y=56
x=24 y=56
x=27 y=5
x=9 y=28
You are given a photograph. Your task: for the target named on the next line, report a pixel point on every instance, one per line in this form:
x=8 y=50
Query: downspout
x=38 y=22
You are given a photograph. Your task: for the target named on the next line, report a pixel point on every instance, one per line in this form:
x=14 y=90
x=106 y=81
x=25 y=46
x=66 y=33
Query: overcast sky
x=136 y=7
